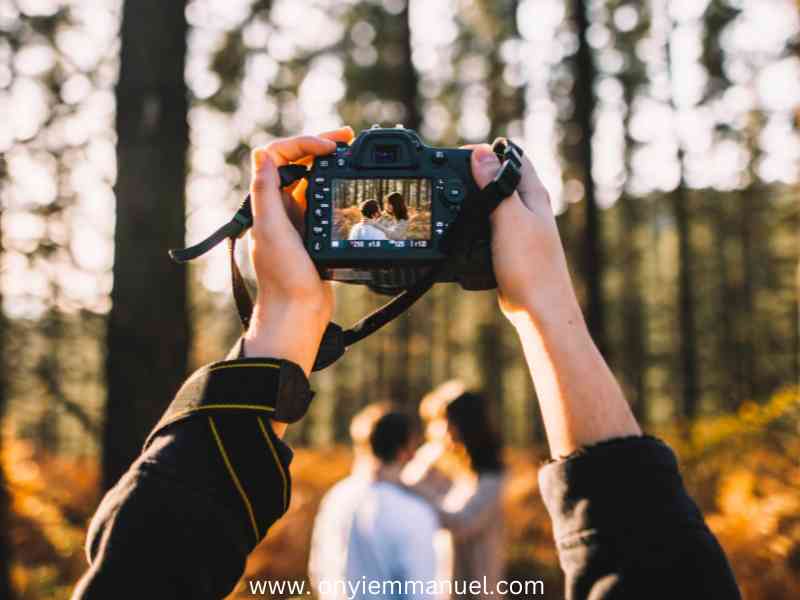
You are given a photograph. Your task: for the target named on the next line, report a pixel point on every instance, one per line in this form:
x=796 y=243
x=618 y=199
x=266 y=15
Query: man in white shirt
x=365 y=229
x=331 y=534
x=390 y=550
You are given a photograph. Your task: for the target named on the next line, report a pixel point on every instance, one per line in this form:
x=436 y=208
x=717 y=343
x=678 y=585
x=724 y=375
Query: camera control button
x=323 y=163
x=341 y=162
x=320 y=180
x=439 y=157
x=318 y=230
x=316 y=246
x=454 y=193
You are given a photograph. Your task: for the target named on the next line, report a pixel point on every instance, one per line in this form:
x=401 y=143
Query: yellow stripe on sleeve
x=236 y=481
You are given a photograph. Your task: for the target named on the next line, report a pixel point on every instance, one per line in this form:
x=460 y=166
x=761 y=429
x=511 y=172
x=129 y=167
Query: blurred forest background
x=666 y=131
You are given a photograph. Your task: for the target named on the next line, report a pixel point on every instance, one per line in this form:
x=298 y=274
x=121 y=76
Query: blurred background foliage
x=666 y=131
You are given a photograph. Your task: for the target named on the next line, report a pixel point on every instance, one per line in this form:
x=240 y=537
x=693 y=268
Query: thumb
x=265 y=193
x=485 y=165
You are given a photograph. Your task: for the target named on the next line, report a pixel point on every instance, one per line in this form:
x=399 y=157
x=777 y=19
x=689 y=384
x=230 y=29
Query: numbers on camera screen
x=381 y=244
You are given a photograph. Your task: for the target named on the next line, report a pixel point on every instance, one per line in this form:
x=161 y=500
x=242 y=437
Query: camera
x=380 y=212
x=390 y=213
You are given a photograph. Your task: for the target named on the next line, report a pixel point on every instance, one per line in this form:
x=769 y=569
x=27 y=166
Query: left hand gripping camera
x=390 y=213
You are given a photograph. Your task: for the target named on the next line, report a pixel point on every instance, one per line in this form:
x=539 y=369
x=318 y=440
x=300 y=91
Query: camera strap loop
x=244 y=303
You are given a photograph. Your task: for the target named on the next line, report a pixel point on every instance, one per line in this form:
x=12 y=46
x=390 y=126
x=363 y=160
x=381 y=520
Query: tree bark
x=148 y=329
x=686 y=303
x=592 y=260
x=687 y=344
x=5 y=500
x=400 y=387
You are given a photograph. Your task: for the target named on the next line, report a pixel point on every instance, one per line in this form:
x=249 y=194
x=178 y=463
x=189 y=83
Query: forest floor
x=742 y=470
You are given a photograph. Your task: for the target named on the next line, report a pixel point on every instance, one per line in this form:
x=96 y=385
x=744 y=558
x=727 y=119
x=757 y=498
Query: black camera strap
x=477 y=208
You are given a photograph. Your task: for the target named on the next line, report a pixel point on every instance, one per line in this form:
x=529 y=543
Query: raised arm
x=213 y=476
x=624 y=525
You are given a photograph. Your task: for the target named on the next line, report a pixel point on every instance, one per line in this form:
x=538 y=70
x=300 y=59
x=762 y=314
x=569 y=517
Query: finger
x=269 y=212
x=530 y=187
x=284 y=151
x=298 y=189
x=485 y=164
x=343 y=134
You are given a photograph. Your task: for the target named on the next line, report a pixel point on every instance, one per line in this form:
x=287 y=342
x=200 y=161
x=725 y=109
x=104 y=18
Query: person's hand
x=527 y=253
x=580 y=400
x=293 y=305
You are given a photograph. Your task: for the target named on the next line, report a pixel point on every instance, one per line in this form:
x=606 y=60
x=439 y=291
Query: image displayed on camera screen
x=381 y=212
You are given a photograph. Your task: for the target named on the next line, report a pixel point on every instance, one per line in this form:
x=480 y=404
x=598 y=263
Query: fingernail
x=488 y=157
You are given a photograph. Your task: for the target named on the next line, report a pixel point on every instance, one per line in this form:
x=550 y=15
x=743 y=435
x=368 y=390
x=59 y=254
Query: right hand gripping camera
x=391 y=213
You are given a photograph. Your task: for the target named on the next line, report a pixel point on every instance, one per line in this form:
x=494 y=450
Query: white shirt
x=370 y=531
x=392 y=539
x=366 y=231
x=327 y=560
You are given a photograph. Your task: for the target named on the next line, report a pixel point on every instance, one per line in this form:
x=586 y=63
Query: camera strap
x=335 y=341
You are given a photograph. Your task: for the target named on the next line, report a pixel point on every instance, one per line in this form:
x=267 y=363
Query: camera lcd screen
x=381 y=213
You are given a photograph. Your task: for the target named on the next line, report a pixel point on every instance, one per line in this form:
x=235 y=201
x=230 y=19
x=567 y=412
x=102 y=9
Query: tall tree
x=148 y=328
x=495 y=23
x=679 y=201
x=633 y=348
x=592 y=260
x=401 y=388
x=5 y=504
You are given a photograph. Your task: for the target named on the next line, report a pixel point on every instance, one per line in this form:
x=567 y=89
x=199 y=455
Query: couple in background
x=376 y=225
x=415 y=514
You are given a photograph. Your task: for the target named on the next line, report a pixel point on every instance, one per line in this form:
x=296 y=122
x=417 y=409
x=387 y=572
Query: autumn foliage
x=742 y=469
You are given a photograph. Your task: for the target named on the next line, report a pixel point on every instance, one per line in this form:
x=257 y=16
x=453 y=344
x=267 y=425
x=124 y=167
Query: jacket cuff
x=274 y=388
x=625 y=486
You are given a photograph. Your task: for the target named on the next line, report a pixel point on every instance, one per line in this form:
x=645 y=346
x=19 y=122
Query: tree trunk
x=148 y=329
x=592 y=260
x=400 y=387
x=687 y=345
x=5 y=501
x=634 y=347
x=686 y=303
x=506 y=104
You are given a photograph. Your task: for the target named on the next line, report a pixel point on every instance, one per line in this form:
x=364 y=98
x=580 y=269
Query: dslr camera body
x=381 y=213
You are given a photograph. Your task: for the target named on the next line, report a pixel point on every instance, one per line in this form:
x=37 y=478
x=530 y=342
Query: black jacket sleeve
x=180 y=523
x=626 y=528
